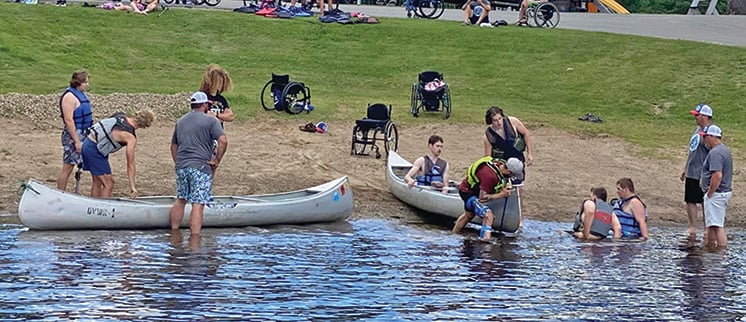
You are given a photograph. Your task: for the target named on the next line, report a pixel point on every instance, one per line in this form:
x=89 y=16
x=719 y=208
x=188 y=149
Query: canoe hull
x=46 y=208
x=506 y=211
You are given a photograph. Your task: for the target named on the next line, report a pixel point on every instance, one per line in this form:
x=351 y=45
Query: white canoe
x=47 y=208
x=506 y=211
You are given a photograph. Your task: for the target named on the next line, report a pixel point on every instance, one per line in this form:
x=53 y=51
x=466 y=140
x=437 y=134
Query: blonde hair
x=216 y=80
x=143 y=118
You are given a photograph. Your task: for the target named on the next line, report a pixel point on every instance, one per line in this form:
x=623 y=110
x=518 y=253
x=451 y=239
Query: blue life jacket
x=433 y=172
x=630 y=226
x=82 y=116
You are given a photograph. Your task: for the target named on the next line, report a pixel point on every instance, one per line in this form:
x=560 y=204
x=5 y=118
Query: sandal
x=522 y=22
x=310 y=127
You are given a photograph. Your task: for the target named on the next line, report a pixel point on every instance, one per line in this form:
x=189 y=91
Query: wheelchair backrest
x=379 y=111
x=429 y=76
x=279 y=81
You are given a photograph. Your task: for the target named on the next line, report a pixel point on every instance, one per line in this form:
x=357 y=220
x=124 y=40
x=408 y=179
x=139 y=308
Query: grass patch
x=642 y=87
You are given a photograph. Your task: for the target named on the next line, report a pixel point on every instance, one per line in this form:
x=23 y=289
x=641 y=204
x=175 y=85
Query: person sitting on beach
x=108 y=136
x=630 y=214
x=594 y=219
x=434 y=170
x=143 y=6
x=486 y=179
x=476 y=12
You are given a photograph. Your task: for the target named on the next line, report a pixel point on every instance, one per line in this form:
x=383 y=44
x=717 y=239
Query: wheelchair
x=431 y=94
x=376 y=126
x=542 y=14
x=280 y=94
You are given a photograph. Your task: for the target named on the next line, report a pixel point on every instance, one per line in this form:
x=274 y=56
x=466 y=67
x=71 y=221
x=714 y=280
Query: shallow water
x=365 y=269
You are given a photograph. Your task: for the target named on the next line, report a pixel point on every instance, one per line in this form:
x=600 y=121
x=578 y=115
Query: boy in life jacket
x=594 y=219
x=433 y=169
x=486 y=179
x=630 y=218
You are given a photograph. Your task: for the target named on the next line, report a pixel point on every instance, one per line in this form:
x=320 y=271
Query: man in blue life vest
x=486 y=179
x=433 y=169
x=594 y=219
x=630 y=215
x=75 y=110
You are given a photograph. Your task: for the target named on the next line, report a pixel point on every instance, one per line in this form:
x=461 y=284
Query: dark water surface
x=365 y=270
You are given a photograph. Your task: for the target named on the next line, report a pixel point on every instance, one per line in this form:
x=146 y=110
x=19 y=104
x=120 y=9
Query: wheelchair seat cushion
x=367 y=124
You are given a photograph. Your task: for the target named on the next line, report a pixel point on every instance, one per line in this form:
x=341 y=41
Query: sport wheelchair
x=366 y=132
x=284 y=95
x=429 y=93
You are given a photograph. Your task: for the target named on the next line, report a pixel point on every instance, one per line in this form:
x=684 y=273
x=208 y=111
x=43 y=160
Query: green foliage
x=642 y=87
x=668 y=6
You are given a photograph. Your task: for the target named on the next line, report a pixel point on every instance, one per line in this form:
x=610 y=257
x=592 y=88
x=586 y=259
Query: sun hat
x=198 y=98
x=702 y=109
x=712 y=130
x=321 y=127
x=516 y=168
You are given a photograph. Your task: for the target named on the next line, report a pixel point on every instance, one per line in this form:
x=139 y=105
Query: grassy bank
x=642 y=87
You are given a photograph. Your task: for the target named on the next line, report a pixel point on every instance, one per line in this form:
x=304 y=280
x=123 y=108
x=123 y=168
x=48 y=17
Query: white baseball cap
x=199 y=98
x=702 y=109
x=712 y=130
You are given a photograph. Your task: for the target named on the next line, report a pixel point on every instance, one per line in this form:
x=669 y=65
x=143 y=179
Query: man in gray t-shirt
x=717 y=175
x=192 y=152
x=693 y=168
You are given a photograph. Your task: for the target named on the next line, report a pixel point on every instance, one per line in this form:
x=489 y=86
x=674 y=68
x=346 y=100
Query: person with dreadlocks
x=486 y=179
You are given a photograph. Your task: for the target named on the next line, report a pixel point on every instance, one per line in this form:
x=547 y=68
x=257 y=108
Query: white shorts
x=715 y=208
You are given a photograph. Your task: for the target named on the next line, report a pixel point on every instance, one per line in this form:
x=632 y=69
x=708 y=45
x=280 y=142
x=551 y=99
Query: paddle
x=77 y=178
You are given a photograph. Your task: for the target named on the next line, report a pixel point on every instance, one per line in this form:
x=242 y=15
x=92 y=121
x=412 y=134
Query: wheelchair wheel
x=357 y=136
x=415 y=110
x=392 y=138
x=168 y=1
x=212 y=3
x=446 y=101
x=546 y=15
x=432 y=9
x=266 y=96
x=295 y=96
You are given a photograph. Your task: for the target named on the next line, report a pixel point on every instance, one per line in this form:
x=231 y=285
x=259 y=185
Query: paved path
x=726 y=30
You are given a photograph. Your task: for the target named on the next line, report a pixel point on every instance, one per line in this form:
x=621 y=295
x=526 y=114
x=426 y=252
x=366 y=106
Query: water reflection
x=365 y=269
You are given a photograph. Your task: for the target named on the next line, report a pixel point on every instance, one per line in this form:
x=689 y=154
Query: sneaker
x=486 y=24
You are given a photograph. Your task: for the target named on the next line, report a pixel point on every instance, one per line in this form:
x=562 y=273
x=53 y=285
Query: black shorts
x=692 y=192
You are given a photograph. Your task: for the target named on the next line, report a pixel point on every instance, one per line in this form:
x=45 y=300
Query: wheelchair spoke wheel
x=415 y=110
x=446 y=100
x=296 y=97
x=392 y=138
x=432 y=9
x=358 y=136
x=212 y=3
x=266 y=97
x=546 y=15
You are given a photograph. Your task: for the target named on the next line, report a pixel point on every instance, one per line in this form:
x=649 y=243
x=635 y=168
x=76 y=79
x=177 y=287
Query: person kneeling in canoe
x=106 y=137
x=594 y=219
x=486 y=179
x=434 y=169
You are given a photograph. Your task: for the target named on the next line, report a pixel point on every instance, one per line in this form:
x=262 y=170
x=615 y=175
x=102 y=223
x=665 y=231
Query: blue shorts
x=93 y=160
x=193 y=185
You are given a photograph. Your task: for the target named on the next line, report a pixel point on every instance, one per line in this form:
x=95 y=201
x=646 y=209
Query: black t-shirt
x=219 y=104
